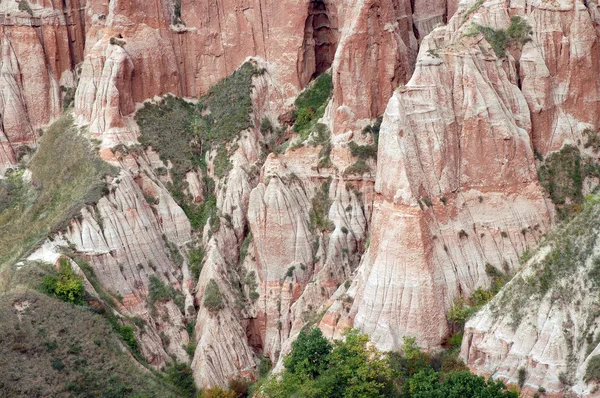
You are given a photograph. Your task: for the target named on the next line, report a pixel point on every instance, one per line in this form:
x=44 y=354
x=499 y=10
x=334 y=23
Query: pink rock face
x=375 y=55
x=463 y=192
x=564 y=97
x=37 y=60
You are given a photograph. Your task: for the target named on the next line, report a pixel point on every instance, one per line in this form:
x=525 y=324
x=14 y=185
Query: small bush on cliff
x=358 y=168
x=24 y=6
x=363 y=152
x=562 y=174
x=518 y=32
x=592 y=371
x=311 y=103
x=66 y=286
x=319 y=214
x=213 y=299
x=182 y=377
x=158 y=291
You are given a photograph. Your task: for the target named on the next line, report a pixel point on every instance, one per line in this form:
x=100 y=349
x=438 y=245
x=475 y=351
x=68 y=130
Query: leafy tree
x=357 y=368
x=430 y=384
x=353 y=367
x=309 y=354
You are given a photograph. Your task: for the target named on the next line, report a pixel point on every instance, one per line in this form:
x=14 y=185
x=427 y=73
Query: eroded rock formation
x=455 y=191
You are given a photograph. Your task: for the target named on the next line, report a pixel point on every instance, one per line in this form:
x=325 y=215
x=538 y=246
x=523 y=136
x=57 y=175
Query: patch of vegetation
x=174 y=253
x=358 y=168
x=592 y=139
x=66 y=175
x=158 y=291
x=354 y=368
x=66 y=286
x=117 y=42
x=184 y=133
x=518 y=32
x=24 y=6
x=322 y=136
x=182 y=377
x=213 y=298
x=464 y=308
x=68 y=96
x=245 y=245
x=562 y=174
x=570 y=248
x=319 y=213
x=363 y=152
x=250 y=281
x=374 y=130
x=311 y=103
x=592 y=371
x=85 y=358
x=177 y=12
x=473 y=8
x=196 y=257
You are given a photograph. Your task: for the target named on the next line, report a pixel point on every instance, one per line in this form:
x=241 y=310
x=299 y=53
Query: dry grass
x=67 y=174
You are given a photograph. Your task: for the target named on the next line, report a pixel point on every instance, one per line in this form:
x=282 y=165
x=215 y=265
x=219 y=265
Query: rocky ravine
x=455 y=188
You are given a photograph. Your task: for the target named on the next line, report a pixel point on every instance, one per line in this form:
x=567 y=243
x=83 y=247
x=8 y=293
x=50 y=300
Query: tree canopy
x=353 y=367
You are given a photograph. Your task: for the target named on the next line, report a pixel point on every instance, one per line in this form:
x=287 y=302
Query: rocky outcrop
x=562 y=94
x=127 y=241
x=541 y=330
x=376 y=53
x=37 y=63
x=464 y=192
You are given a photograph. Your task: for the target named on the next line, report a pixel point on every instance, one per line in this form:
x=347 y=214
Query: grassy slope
x=66 y=174
x=53 y=348
x=56 y=349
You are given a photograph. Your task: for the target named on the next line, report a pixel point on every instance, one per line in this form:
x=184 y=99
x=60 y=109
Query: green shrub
x=311 y=103
x=358 y=168
x=127 y=334
x=518 y=32
x=319 y=213
x=522 y=376
x=24 y=6
x=182 y=377
x=66 y=286
x=213 y=299
x=473 y=8
x=158 y=291
x=562 y=174
x=177 y=12
x=498 y=39
x=196 y=257
x=363 y=152
x=244 y=248
x=117 y=42
x=290 y=272
x=592 y=371
x=58 y=364
x=374 y=130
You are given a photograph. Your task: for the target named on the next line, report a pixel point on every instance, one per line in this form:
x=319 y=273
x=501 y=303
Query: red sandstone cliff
x=455 y=186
